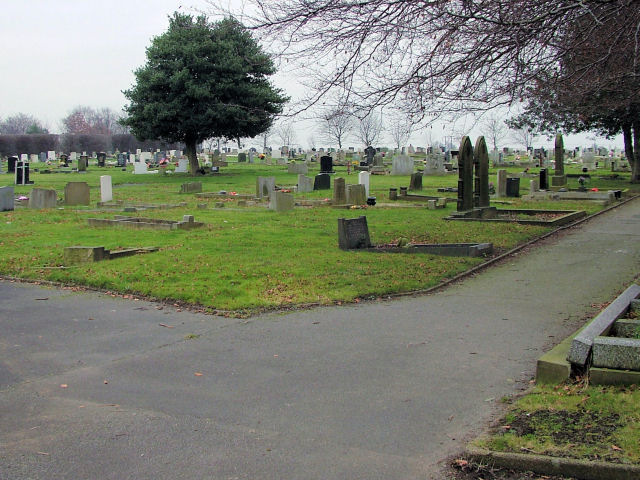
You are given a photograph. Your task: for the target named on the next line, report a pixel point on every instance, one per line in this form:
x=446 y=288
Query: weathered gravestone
x=559 y=179
x=501 y=183
x=322 y=182
x=183 y=165
x=544 y=179
x=356 y=195
x=11 y=164
x=402 y=165
x=339 y=192
x=264 y=186
x=242 y=157
x=305 y=184
x=465 y=175
x=76 y=193
x=481 y=178
x=281 y=201
x=102 y=159
x=83 y=161
x=7 y=199
x=353 y=233
x=297 y=168
x=191 y=187
x=122 y=160
x=106 y=190
x=473 y=189
x=416 y=181
x=42 y=198
x=369 y=153
x=434 y=165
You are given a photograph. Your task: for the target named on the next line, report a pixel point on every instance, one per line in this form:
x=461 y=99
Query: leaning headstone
x=356 y=195
x=106 y=190
x=76 y=193
x=501 y=184
x=281 y=201
x=481 y=180
x=465 y=175
x=364 y=179
x=322 y=182
x=7 y=199
x=402 y=165
x=264 y=186
x=42 y=198
x=305 y=184
x=353 y=233
x=416 y=181
x=559 y=179
x=339 y=192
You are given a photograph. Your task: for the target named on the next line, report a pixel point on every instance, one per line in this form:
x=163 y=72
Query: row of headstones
x=75 y=193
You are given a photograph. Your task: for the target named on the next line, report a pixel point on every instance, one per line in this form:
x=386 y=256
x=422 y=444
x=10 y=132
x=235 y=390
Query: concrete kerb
x=544 y=465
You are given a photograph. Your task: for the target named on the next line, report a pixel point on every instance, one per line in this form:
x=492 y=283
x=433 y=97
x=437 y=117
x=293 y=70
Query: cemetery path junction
x=97 y=387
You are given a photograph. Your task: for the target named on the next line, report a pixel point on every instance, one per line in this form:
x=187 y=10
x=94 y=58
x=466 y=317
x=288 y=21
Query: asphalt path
x=97 y=387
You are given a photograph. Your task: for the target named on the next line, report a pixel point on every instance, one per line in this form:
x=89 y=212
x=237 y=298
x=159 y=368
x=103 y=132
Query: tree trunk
x=628 y=141
x=190 y=149
x=635 y=161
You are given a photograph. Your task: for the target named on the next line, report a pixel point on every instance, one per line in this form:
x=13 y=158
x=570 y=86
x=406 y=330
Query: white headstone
x=51 y=155
x=183 y=165
x=363 y=179
x=73 y=156
x=106 y=190
x=402 y=165
x=140 y=167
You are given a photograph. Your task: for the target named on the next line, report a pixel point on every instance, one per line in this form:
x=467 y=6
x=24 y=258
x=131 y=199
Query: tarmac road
x=96 y=387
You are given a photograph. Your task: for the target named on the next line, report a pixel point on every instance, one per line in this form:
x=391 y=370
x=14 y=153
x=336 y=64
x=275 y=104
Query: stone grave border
x=475 y=215
x=187 y=223
x=77 y=254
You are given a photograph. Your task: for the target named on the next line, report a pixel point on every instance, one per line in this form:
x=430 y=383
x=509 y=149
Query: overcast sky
x=57 y=54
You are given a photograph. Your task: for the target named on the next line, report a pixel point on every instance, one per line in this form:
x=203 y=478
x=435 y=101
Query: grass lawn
x=574 y=421
x=250 y=258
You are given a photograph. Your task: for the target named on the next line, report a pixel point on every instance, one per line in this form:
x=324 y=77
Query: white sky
x=57 y=54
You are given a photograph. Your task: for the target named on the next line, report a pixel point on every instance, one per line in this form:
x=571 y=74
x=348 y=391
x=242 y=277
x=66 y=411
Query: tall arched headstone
x=465 y=175
x=559 y=179
x=481 y=163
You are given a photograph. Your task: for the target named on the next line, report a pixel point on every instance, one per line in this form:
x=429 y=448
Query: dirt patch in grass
x=462 y=469
x=566 y=427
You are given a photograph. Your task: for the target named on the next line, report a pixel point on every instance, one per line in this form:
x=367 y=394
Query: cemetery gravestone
x=7 y=199
x=326 y=164
x=41 y=198
x=364 y=179
x=11 y=164
x=353 y=233
x=501 y=182
x=465 y=175
x=183 y=165
x=102 y=158
x=51 y=155
x=297 y=168
x=22 y=173
x=378 y=160
x=106 y=190
x=402 y=165
x=369 y=153
x=559 y=179
x=481 y=181
x=122 y=161
x=64 y=158
x=416 y=181
x=322 y=182
x=339 y=192
x=191 y=187
x=305 y=184
x=356 y=195
x=264 y=186
x=544 y=179
x=281 y=201
x=242 y=157
x=82 y=163
x=76 y=193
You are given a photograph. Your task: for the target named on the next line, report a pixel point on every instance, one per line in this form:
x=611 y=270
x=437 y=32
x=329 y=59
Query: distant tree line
x=83 y=142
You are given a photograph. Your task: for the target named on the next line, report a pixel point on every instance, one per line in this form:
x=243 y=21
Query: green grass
x=246 y=258
x=589 y=423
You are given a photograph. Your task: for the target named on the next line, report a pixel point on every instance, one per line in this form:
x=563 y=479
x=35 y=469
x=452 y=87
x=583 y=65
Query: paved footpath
x=94 y=387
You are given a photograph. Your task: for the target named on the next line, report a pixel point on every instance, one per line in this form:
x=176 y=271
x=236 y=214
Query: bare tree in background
x=21 y=123
x=370 y=128
x=432 y=56
x=87 y=120
x=336 y=124
x=400 y=128
x=524 y=136
x=494 y=129
x=286 y=133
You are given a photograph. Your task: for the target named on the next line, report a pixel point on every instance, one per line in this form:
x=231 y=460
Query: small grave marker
x=353 y=233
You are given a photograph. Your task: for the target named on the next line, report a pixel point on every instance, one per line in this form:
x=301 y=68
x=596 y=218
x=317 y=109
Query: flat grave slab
x=187 y=223
x=522 y=216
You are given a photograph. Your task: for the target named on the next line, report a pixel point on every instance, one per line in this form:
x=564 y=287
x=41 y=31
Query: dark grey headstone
x=353 y=233
x=465 y=175
x=322 y=182
x=326 y=164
